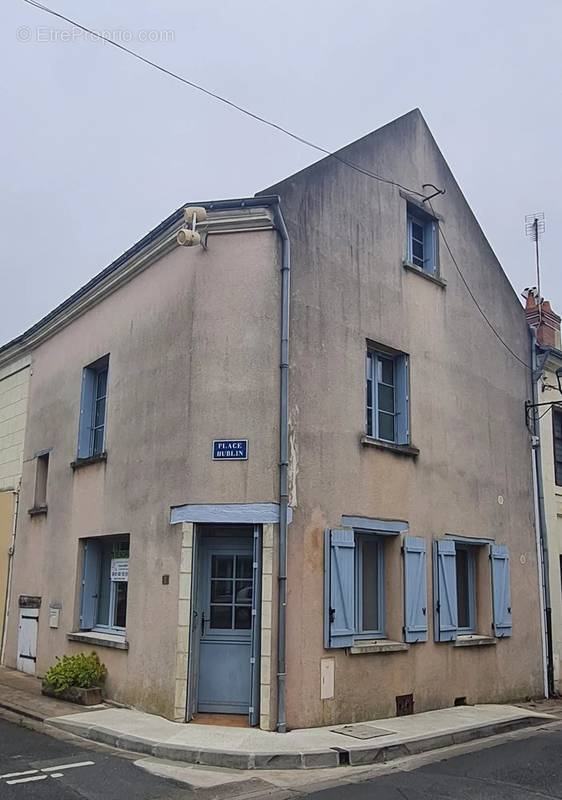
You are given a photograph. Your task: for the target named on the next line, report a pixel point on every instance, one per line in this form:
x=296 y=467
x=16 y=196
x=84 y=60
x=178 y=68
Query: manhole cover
x=361 y=731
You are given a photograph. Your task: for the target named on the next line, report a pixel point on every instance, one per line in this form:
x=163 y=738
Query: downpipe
x=543 y=541
x=283 y=464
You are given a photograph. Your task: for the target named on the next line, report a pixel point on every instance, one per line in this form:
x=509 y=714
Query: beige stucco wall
x=14 y=390
x=194 y=355
x=472 y=476
x=553 y=512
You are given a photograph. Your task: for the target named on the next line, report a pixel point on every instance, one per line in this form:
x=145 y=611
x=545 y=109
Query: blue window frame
x=387 y=396
x=369 y=587
x=93 y=404
x=422 y=240
x=105 y=584
x=465 y=562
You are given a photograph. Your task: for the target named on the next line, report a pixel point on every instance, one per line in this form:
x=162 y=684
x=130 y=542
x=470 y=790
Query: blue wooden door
x=225 y=644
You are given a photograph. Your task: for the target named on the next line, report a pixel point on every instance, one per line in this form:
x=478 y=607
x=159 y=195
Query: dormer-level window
x=422 y=240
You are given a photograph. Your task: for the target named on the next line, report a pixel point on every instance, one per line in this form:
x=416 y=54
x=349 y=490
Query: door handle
x=203 y=623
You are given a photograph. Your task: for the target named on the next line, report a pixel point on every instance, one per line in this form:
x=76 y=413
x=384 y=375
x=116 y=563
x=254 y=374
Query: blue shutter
x=434 y=232
x=402 y=400
x=86 y=413
x=445 y=590
x=339 y=588
x=415 y=590
x=90 y=584
x=501 y=593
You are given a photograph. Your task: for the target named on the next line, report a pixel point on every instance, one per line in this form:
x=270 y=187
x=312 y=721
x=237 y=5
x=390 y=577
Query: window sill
x=427 y=275
x=100 y=639
x=36 y=511
x=400 y=449
x=377 y=646
x=473 y=640
x=85 y=462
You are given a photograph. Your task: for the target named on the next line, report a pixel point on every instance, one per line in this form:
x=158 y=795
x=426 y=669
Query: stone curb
x=22 y=712
x=313 y=759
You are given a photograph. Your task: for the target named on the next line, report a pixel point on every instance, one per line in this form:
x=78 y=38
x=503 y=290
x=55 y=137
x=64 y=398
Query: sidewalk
x=365 y=743
x=21 y=694
x=252 y=749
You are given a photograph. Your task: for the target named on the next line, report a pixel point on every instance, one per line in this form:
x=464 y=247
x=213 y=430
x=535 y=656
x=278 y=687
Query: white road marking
x=68 y=766
x=17 y=774
x=28 y=780
x=56 y=775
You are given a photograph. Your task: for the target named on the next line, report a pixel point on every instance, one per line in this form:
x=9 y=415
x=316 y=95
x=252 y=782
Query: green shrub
x=80 y=670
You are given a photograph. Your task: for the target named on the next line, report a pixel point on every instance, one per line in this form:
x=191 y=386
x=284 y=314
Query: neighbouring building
x=14 y=387
x=289 y=474
x=547 y=416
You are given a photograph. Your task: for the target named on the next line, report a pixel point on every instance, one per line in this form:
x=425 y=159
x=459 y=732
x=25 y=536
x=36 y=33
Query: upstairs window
x=387 y=396
x=557 y=435
x=91 y=437
x=422 y=240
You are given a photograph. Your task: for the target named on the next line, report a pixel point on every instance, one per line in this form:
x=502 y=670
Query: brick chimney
x=548 y=332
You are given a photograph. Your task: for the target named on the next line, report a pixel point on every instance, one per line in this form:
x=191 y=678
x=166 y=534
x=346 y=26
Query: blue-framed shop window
x=387 y=417
x=93 y=406
x=422 y=241
x=465 y=562
x=369 y=587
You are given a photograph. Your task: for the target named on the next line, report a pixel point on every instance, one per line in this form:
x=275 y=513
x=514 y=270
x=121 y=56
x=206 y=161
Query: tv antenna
x=534 y=228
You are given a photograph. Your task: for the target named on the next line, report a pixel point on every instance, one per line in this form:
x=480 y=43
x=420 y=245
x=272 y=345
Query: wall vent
x=404 y=705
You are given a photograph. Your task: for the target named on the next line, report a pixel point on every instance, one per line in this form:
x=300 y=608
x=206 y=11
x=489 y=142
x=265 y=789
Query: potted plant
x=77 y=678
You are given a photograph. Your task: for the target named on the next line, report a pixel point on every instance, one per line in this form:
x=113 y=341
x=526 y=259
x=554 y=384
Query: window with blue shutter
x=90 y=584
x=422 y=240
x=415 y=589
x=387 y=412
x=501 y=591
x=105 y=583
x=91 y=433
x=445 y=590
x=339 y=589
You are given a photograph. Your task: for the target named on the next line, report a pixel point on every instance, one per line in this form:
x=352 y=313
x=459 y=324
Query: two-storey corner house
x=289 y=472
x=14 y=388
x=545 y=419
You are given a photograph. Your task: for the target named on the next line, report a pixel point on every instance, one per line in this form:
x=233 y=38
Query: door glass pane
x=221 y=591
x=370 y=588
x=222 y=566
x=243 y=592
x=463 y=597
x=121 y=604
x=243 y=618
x=244 y=566
x=221 y=617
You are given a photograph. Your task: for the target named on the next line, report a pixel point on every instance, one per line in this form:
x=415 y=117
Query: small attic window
x=422 y=233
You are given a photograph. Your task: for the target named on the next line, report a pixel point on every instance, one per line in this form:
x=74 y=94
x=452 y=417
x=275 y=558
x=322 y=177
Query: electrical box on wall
x=54 y=616
x=327 y=678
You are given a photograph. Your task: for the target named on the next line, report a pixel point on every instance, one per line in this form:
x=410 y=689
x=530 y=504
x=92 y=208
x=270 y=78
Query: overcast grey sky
x=97 y=148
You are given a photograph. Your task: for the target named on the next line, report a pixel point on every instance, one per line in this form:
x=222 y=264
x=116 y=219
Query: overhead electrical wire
x=285 y=131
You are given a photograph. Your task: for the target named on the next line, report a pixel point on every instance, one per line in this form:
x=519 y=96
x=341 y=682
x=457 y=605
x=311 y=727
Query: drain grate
x=361 y=731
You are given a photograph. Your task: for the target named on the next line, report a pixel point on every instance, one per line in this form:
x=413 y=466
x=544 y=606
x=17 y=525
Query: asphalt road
x=529 y=768
x=35 y=766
